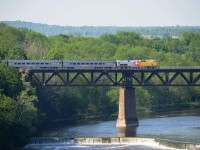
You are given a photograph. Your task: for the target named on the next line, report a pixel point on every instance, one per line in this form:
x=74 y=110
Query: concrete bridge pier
x=127 y=108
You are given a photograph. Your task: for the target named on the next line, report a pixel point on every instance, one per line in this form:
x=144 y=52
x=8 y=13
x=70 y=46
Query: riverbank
x=119 y=143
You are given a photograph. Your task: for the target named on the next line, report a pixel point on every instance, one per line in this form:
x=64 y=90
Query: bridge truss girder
x=158 y=77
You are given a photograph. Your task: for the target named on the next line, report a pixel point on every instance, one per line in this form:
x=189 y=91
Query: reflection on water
x=127 y=132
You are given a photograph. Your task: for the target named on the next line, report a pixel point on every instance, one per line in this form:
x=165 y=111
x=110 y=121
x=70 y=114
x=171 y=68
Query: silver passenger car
x=33 y=64
x=93 y=64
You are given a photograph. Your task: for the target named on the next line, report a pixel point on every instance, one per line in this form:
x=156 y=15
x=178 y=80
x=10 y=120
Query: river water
x=181 y=126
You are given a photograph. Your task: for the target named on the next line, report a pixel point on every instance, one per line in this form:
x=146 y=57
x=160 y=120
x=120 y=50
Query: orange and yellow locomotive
x=149 y=64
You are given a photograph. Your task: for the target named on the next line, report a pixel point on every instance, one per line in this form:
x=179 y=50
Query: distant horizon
x=94 y=25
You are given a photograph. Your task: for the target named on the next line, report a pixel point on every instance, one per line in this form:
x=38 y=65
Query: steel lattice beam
x=114 y=77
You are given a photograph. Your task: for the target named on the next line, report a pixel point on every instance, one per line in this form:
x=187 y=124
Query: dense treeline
x=24 y=109
x=96 y=31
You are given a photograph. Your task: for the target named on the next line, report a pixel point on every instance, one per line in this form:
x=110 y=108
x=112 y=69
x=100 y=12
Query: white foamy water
x=138 y=146
x=98 y=144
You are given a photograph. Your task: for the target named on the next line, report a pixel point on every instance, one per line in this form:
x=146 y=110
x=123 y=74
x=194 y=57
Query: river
x=183 y=126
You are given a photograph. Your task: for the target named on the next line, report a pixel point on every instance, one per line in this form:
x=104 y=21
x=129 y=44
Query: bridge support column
x=127 y=108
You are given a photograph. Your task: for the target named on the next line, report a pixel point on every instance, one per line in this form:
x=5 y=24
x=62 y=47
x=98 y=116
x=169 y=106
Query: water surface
x=181 y=126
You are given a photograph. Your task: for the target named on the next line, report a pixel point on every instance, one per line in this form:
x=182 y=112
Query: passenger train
x=81 y=64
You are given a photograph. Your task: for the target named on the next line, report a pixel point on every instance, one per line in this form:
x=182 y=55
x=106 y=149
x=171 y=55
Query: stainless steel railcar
x=93 y=64
x=33 y=64
x=60 y=64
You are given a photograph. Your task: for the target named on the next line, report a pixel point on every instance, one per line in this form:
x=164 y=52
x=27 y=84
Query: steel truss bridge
x=165 y=76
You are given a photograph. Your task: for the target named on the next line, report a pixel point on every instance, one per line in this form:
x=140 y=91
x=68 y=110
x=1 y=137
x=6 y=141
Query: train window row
x=87 y=63
x=32 y=63
x=50 y=63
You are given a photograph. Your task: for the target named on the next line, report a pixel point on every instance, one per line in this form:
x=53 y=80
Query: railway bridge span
x=127 y=78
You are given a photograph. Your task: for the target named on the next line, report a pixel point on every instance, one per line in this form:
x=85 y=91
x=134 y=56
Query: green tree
x=18 y=115
x=55 y=54
x=26 y=112
x=10 y=82
x=109 y=38
x=128 y=38
x=16 y=54
x=36 y=45
x=7 y=108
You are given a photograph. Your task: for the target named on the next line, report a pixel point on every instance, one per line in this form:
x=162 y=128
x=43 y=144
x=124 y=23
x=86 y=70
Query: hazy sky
x=103 y=12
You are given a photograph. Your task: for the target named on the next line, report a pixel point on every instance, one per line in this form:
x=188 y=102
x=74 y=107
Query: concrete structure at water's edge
x=127 y=108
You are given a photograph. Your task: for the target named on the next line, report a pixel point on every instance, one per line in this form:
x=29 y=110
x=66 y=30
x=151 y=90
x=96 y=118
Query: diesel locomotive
x=82 y=64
